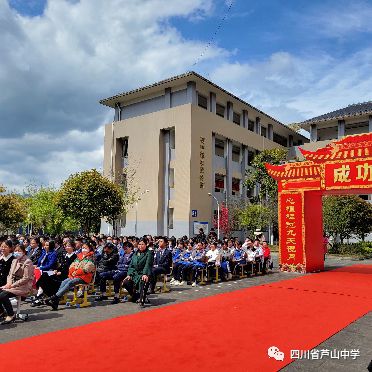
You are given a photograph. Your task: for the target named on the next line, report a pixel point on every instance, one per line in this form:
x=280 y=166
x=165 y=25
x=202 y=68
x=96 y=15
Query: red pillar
x=301 y=231
x=313 y=231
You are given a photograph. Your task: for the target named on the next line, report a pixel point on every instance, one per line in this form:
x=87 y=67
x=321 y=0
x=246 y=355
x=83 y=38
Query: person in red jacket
x=80 y=272
x=267 y=256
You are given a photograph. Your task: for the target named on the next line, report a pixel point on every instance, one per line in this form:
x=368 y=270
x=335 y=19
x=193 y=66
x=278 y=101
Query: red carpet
x=230 y=331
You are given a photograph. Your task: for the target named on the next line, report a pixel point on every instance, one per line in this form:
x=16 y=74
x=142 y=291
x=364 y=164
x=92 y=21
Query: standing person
x=6 y=258
x=162 y=262
x=19 y=282
x=325 y=246
x=201 y=236
x=139 y=273
x=267 y=257
x=80 y=272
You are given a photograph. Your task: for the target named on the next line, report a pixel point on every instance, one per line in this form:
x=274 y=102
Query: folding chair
x=85 y=288
x=19 y=316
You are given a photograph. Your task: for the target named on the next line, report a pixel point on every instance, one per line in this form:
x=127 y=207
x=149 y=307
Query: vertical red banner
x=291 y=233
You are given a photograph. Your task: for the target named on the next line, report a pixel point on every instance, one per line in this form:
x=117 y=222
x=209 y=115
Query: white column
x=341 y=129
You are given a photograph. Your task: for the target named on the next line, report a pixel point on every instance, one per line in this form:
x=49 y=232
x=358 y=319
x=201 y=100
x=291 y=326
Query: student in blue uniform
x=185 y=261
x=225 y=255
x=239 y=256
x=198 y=263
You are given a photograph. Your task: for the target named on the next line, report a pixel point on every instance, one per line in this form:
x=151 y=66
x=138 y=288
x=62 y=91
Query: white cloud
x=55 y=67
x=340 y=19
x=295 y=88
x=49 y=160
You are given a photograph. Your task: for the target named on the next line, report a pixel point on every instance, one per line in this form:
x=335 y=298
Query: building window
x=235 y=154
x=171 y=178
x=251 y=155
x=235 y=188
x=251 y=125
x=215 y=214
x=172 y=138
x=263 y=132
x=236 y=118
x=280 y=139
x=220 y=110
x=219 y=148
x=219 y=183
x=202 y=102
x=124 y=157
x=170 y=218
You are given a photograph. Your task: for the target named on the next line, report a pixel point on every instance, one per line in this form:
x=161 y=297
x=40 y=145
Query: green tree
x=88 y=196
x=12 y=210
x=44 y=213
x=263 y=207
x=258 y=175
x=256 y=216
x=346 y=215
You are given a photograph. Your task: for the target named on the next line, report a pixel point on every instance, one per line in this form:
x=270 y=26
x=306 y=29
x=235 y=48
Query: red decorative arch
x=341 y=167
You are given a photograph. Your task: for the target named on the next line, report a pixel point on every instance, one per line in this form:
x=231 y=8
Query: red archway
x=342 y=167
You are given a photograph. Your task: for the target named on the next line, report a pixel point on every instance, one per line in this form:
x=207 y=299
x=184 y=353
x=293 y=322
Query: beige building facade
x=183 y=138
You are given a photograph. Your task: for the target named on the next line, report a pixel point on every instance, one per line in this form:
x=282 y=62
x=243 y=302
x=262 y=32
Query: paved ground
x=358 y=335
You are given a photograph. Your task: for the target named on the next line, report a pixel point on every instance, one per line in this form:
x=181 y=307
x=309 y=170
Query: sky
x=292 y=59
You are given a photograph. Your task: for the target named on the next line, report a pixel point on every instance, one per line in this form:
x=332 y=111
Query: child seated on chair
x=80 y=272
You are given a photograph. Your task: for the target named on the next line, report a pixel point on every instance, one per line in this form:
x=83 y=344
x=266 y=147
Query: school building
x=179 y=140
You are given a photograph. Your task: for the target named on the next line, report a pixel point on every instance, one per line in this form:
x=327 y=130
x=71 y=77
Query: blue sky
x=292 y=59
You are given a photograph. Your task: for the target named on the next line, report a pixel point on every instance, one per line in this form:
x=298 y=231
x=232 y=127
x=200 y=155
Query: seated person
x=259 y=254
x=80 y=272
x=35 y=250
x=213 y=256
x=108 y=261
x=139 y=273
x=197 y=264
x=225 y=257
x=46 y=262
x=19 y=282
x=6 y=258
x=238 y=256
x=251 y=253
x=117 y=275
x=184 y=262
x=162 y=262
x=177 y=252
x=50 y=283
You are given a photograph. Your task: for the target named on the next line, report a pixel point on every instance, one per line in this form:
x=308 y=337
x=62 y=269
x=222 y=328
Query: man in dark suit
x=162 y=261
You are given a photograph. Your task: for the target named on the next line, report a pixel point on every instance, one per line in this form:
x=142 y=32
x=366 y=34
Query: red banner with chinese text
x=348 y=174
x=291 y=231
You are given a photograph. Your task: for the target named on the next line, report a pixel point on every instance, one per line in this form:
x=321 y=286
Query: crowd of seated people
x=48 y=267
